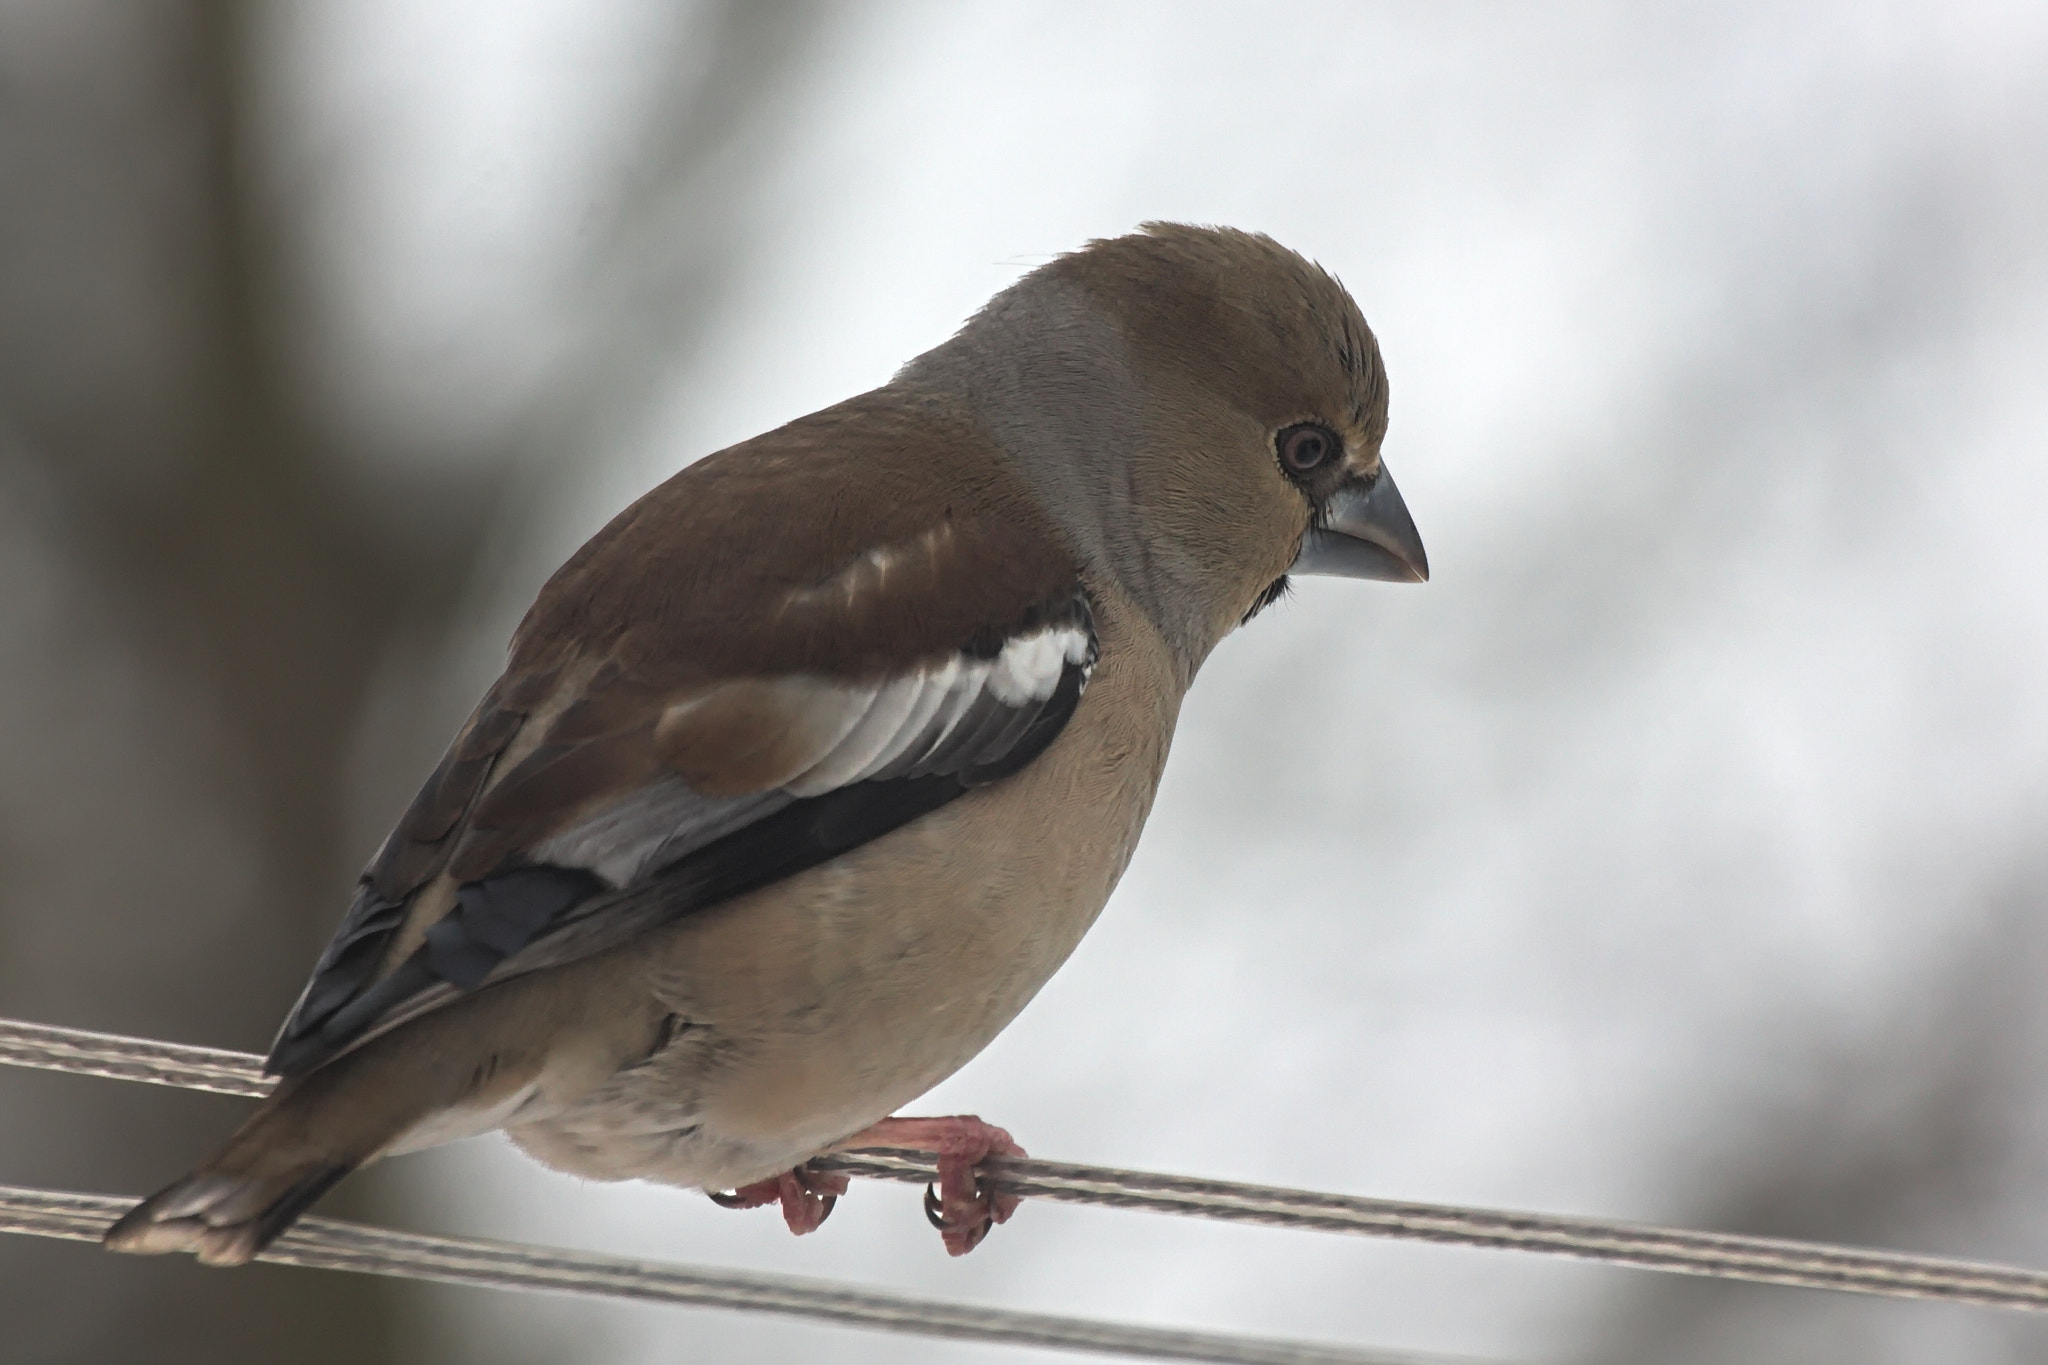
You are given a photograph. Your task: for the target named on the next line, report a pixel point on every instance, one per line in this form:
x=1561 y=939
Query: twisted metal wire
x=1808 y=1265
x=328 y=1244
x=83 y=1052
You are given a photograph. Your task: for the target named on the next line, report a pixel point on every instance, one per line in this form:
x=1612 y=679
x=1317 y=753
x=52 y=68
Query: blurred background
x=1675 y=855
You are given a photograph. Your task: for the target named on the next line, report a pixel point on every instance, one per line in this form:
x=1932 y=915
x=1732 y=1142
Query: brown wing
x=788 y=649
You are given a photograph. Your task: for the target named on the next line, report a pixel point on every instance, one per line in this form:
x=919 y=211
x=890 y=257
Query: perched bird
x=808 y=770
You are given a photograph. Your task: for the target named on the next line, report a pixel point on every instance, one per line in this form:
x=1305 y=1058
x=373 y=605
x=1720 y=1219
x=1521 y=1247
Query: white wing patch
x=908 y=719
x=948 y=716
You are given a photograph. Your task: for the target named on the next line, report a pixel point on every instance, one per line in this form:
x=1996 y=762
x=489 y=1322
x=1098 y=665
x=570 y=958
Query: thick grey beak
x=1369 y=534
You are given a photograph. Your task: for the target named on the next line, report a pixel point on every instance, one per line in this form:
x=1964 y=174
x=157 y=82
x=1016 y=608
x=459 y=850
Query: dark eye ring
x=1307 y=447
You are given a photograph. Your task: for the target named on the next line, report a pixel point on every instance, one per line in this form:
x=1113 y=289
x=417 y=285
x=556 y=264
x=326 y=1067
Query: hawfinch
x=810 y=768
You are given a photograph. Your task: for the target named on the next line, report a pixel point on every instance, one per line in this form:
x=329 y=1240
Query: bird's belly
x=811 y=1009
x=873 y=990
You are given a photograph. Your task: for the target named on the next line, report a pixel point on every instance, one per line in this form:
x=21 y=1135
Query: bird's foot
x=806 y=1196
x=961 y=1208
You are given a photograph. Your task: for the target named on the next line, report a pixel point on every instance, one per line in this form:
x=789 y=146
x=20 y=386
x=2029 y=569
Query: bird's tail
x=224 y=1216
x=452 y=1073
x=312 y=1131
x=307 y=1135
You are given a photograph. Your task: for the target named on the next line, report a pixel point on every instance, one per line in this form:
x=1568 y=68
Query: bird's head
x=1201 y=410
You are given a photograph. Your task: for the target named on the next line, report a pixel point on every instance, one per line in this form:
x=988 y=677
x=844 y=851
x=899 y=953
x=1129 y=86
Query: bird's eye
x=1306 y=448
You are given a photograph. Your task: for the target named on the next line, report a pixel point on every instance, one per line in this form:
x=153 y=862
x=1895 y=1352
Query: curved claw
x=960 y=1204
x=807 y=1198
x=961 y=1238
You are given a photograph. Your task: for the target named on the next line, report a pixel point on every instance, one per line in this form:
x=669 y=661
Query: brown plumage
x=809 y=769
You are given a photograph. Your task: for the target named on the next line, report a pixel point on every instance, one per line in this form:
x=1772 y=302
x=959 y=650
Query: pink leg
x=961 y=1210
x=806 y=1197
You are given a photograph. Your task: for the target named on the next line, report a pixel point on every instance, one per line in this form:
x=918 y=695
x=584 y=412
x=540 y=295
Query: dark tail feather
x=306 y=1136
x=454 y=1070
x=224 y=1219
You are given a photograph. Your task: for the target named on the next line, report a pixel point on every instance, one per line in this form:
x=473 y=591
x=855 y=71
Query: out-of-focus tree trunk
x=229 y=581
x=203 y=588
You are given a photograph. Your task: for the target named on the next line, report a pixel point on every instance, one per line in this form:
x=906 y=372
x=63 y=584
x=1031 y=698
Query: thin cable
x=49 y=1048
x=328 y=1244
x=1808 y=1265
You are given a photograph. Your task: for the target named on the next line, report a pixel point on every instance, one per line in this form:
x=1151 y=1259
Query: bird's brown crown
x=1274 y=333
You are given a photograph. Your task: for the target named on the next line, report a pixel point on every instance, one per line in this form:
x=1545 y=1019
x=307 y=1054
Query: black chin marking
x=1272 y=593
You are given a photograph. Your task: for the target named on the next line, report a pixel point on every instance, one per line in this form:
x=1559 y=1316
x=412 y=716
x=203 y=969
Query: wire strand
x=83 y=1052
x=1809 y=1265
x=329 y=1244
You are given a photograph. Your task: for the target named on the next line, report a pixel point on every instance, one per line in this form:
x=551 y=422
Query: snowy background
x=1675 y=854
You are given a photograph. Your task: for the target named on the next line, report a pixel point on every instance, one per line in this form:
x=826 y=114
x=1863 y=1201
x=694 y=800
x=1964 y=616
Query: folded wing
x=624 y=772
